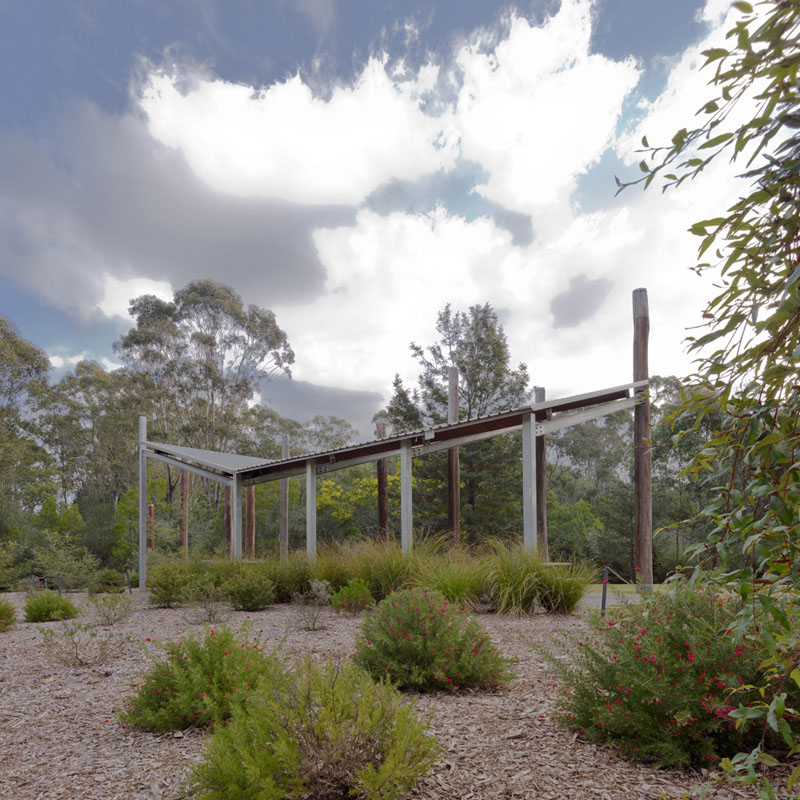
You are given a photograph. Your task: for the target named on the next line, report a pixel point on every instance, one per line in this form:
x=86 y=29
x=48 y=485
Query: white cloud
x=118 y=293
x=109 y=365
x=539 y=110
x=56 y=361
x=283 y=142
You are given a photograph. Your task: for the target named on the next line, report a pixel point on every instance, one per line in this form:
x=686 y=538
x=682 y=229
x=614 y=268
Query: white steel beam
x=529 y=483
x=142 y=504
x=311 y=510
x=567 y=420
x=406 y=505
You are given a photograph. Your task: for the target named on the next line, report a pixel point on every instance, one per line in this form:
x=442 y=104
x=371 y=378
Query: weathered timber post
x=228 y=522
x=453 y=465
x=151 y=527
x=406 y=505
x=383 y=486
x=250 y=538
x=283 y=536
x=642 y=456
x=184 y=523
x=542 y=547
x=311 y=510
x=142 y=503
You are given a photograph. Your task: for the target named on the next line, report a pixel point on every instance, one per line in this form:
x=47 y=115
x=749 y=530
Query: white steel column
x=236 y=517
x=142 y=504
x=311 y=510
x=529 y=482
x=406 y=506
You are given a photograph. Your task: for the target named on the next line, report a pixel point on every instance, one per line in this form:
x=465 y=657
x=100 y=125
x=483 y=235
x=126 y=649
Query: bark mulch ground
x=59 y=739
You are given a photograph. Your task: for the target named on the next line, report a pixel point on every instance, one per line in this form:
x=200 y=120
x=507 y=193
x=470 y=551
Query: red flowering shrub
x=660 y=678
x=198 y=681
x=419 y=640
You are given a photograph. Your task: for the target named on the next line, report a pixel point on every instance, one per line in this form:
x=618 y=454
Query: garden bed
x=59 y=738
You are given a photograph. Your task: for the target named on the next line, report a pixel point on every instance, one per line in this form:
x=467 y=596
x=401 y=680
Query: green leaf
x=723 y=137
x=793 y=778
x=795 y=676
x=745 y=8
x=714 y=53
x=644 y=142
x=643 y=166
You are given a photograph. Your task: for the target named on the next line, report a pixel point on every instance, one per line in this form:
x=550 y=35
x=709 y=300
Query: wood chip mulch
x=59 y=739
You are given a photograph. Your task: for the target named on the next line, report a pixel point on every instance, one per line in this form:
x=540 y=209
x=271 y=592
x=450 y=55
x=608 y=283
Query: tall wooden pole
x=642 y=457
x=283 y=536
x=228 y=522
x=453 y=465
x=250 y=538
x=383 y=487
x=542 y=547
x=184 y=523
x=151 y=527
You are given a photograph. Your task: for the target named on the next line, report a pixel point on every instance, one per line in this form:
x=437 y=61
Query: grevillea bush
x=663 y=679
x=249 y=590
x=419 y=640
x=8 y=615
x=198 y=680
x=323 y=732
x=354 y=598
x=167 y=584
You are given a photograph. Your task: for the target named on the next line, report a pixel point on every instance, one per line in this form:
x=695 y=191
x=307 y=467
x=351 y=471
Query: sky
x=354 y=166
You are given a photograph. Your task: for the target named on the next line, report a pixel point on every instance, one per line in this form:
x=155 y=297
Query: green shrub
x=458 y=576
x=206 y=598
x=47 y=606
x=249 y=590
x=354 y=597
x=289 y=577
x=8 y=615
x=324 y=732
x=106 y=581
x=560 y=589
x=111 y=608
x=419 y=640
x=198 y=680
x=167 y=584
x=659 y=679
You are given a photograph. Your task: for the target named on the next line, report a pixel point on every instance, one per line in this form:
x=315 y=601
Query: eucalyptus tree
x=748 y=358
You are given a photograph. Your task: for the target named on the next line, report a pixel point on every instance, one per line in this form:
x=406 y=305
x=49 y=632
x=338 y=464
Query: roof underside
x=249 y=470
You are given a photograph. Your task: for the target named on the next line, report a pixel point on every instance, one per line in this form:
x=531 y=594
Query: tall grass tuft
x=459 y=576
x=380 y=564
x=561 y=588
x=332 y=565
x=514 y=578
x=289 y=577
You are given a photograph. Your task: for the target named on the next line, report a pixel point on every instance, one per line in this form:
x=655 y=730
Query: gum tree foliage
x=475 y=342
x=748 y=358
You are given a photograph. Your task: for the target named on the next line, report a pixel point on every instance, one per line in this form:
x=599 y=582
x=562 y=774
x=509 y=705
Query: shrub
x=419 y=640
x=206 y=598
x=111 y=608
x=167 y=585
x=249 y=590
x=198 y=680
x=107 y=580
x=290 y=577
x=8 y=615
x=354 y=597
x=312 y=602
x=326 y=732
x=47 y=606
x=78 y=645
x=659 y=679
x=456 y=575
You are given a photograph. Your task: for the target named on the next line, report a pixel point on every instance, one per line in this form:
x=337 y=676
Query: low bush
x=354 y=597
x=111 y=608
x=198 y=680
x=249 y=590
x=323 y=732
x=47 y=606
x=419 y=640
x=79 y=645
x=290 y=577
x=106 y=581
x=8 y=615
x=167 y=584
x=660 y=679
